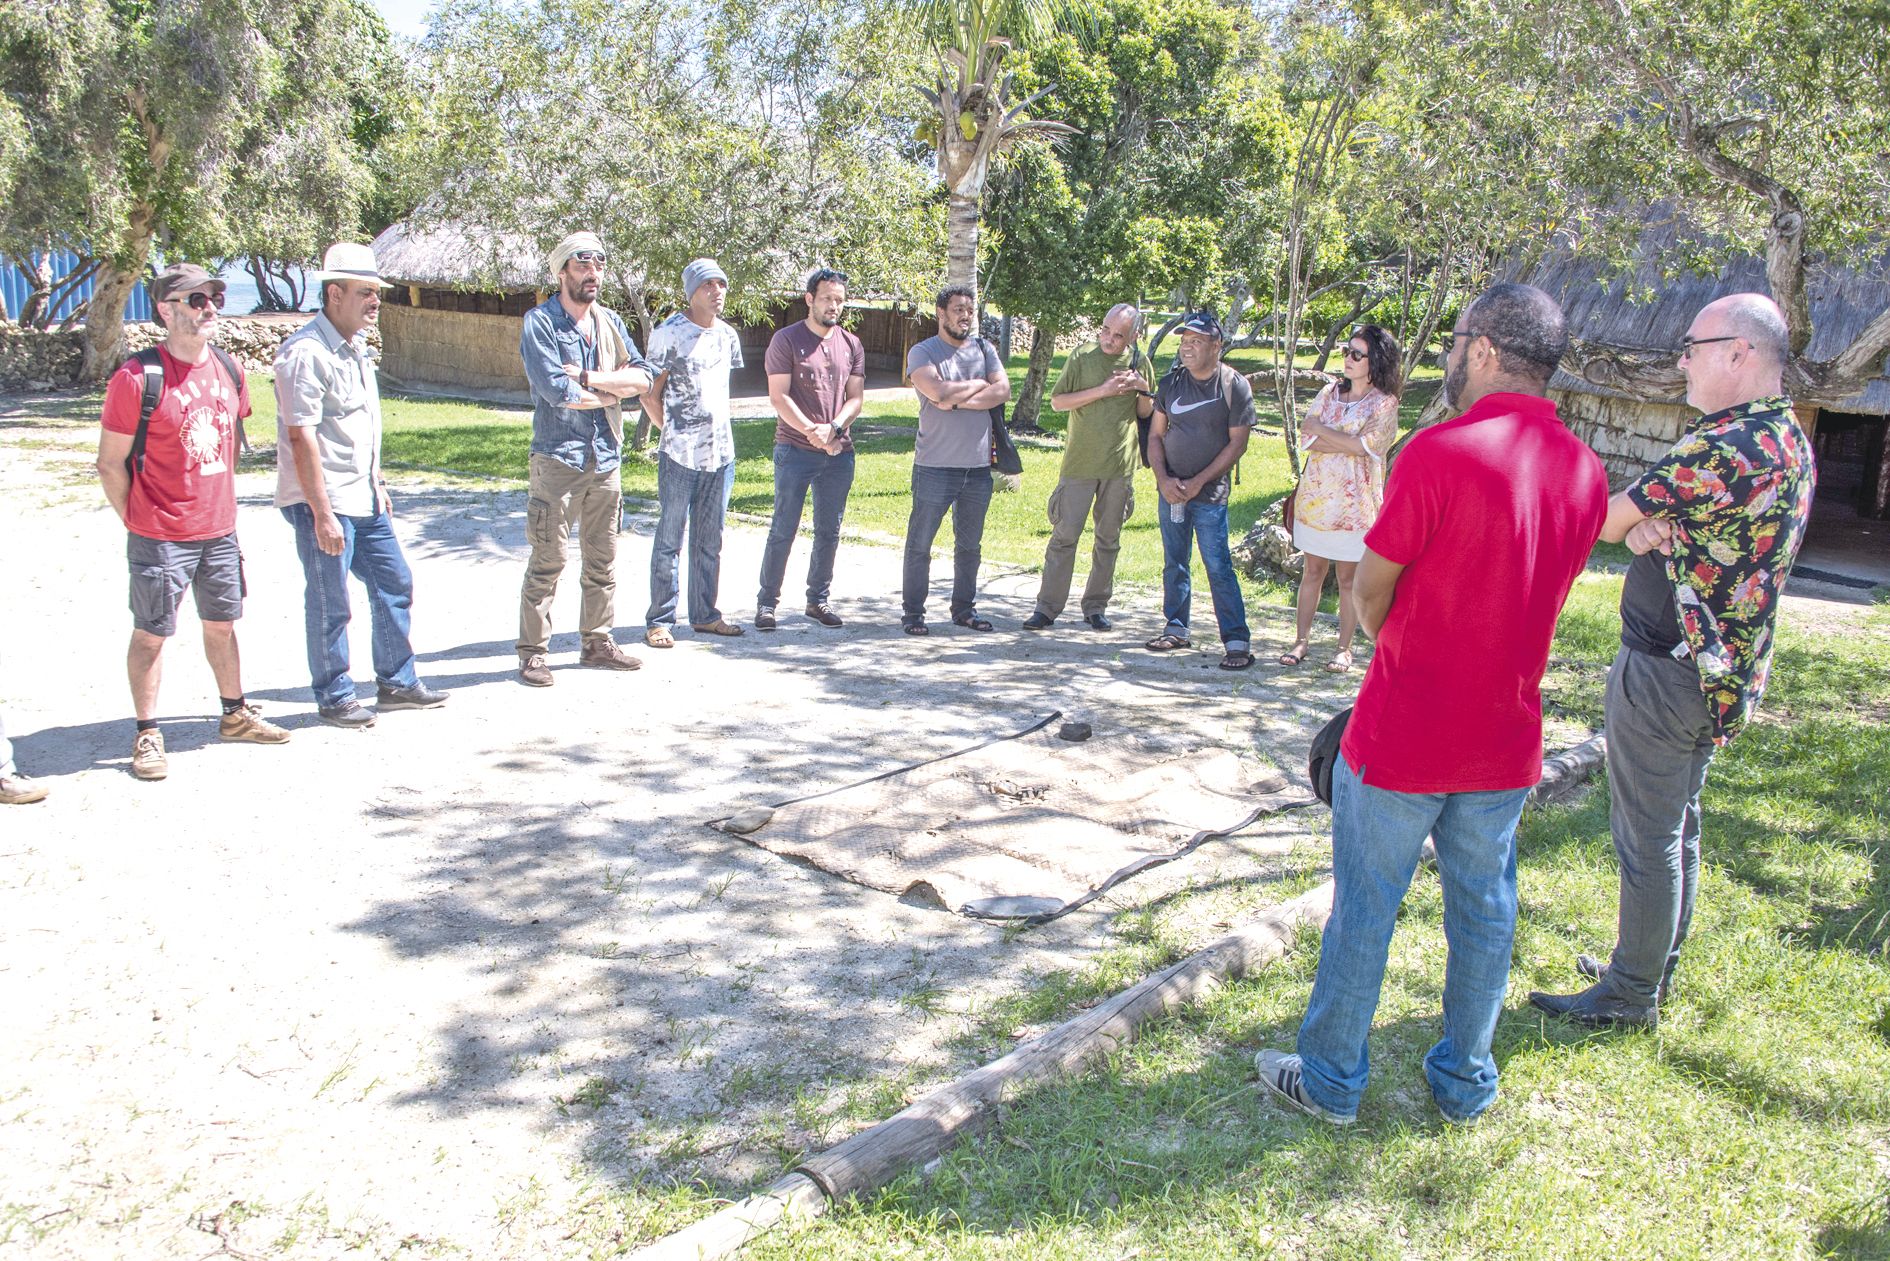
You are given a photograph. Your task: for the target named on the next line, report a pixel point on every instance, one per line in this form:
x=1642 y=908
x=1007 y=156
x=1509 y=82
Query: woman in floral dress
x=1345 y=436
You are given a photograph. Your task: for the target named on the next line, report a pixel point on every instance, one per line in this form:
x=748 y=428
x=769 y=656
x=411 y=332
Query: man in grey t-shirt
x=1203 y=414
x=959 y=378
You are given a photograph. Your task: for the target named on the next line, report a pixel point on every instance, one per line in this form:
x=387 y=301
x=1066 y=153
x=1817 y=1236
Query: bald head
x=1735 y=352
x=1118 y=328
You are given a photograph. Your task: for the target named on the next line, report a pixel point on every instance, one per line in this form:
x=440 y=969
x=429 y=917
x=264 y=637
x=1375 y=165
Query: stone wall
x=31 y=360
x=1627 y=435
x=453 y=352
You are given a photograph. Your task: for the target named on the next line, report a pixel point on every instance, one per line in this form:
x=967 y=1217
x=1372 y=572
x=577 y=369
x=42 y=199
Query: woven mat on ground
x=1026 y=827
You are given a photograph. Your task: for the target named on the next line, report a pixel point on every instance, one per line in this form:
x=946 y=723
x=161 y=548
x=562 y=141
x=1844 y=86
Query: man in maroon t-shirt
x=1488 y=519
x=178 y=503
x=816 y=382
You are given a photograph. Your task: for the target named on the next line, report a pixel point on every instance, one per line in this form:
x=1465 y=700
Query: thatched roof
x=1842 y=303
x=449 y=255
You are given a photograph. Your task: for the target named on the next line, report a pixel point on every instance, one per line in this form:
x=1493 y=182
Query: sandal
x=1166 y=642
x=1239 y=659
x=1296 y=655
x=915 y=628
x=719 y=626
x=659 y=637
x=971 y=621
x=1341 y=662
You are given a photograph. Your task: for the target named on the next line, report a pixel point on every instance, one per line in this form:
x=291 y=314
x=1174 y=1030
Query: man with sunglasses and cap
x=330 y=489
x=171 y=478
x=582 y=365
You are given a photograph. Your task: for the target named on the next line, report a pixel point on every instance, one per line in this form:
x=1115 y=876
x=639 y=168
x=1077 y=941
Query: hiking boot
x=604 y=654
x=764 y=617
x=350 y=715
x=18 y=790
x=1280 y=1073
x=824 y=615
x=1594 y=1008
x=535 y=671
x=147 y=755
x=1038 y=621
x=717 y=627
x=247 y=724
x=419 y=696
x=1595 y=970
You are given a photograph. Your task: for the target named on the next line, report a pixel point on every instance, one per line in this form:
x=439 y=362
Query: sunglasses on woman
x=1357 y=356
x=197 y=301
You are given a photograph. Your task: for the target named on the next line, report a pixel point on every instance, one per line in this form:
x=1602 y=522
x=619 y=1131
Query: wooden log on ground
x=793 y=1199
x=1567 y=770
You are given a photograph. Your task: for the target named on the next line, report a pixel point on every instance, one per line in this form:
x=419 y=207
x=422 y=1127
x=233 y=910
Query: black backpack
x=151 y=366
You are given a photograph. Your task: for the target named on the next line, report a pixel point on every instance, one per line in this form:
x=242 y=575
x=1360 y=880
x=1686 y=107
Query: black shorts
x=162 y=570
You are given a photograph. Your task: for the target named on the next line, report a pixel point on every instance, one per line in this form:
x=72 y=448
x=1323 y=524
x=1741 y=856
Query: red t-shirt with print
x=1493 y=515
x=187 y=490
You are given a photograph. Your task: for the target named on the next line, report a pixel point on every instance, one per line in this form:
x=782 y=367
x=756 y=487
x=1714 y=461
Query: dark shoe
x=535 y=671
x=1097 y=621
x=1593 y=1009
x=914 y=626
x=971 y=621
x=603 y=654
x=824 y=615
x=1038 y=621
x=351 y=715
x=1595 y=970
x=419 y=696
x=764 y=617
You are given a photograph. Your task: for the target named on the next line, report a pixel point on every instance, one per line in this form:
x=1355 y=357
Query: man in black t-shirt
x=1203 y=414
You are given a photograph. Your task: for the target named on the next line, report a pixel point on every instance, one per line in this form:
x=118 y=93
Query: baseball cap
x=181 y=278
x=1205 y=323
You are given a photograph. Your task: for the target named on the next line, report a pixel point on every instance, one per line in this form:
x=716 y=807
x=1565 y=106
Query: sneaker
x=147 y=755
x=1097 y=621
x=419 y=696
x=717 y=627
x=824 y=615
x=1038 y=621
x=350 y=715
x=764 y=617
x=535 y=671
x=1280 y=1073
x=18 y=790
x=247 y=724
x=603 y=654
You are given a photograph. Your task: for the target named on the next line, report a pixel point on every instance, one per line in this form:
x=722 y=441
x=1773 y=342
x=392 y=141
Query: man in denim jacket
x=581 y=364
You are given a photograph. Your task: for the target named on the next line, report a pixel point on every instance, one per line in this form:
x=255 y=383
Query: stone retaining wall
x=31 y=360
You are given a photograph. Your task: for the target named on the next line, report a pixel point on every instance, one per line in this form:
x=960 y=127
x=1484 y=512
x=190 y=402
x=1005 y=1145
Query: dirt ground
x=449 y=986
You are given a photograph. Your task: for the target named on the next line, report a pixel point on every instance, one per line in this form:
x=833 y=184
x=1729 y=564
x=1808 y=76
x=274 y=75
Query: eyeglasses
x=1357 y=356
x=1447 y=343
x=1688 y=343
x=197 y=301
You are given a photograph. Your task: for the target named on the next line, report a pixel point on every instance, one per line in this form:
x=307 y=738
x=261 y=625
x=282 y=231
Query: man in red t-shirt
x=1488 y=519
x=177 y=499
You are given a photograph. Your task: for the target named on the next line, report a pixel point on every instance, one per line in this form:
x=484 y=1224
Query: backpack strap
x=151 y=367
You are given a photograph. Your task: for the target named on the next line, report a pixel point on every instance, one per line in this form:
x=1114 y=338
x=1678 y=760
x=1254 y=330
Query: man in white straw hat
x=330 y=489
x=581 y=364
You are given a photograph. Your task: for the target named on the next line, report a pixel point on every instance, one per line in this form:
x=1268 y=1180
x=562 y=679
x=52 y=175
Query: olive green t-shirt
x=1101 y=441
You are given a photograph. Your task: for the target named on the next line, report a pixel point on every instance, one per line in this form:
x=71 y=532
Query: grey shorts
x=162 y=570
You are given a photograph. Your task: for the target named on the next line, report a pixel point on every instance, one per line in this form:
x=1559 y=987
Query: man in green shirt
x=1104 y=387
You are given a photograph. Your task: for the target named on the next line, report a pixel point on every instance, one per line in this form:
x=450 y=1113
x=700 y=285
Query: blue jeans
x=1208 y=523
x=796 y=470
x=966 y=494
x=686 y=496
x=371 y=553
x=1376 y=837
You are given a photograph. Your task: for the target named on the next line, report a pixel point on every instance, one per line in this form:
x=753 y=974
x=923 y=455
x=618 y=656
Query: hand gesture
x=1649 y=535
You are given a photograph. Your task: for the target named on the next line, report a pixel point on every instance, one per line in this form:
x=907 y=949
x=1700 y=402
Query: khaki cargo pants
x=560 y=497
x=1071 y=503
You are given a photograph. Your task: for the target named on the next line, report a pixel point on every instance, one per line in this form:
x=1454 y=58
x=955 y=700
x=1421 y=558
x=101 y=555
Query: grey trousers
x=1113 y=500
x=1660 y=741
x=562 y=496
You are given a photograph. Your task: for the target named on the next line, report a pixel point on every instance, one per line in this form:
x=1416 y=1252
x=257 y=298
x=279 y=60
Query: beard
x=826 y=319
x=1455 y=379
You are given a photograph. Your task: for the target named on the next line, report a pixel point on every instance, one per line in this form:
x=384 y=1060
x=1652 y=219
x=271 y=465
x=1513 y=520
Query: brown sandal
x=659 y=637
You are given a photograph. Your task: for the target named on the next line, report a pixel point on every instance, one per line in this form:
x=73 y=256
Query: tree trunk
x=961 y=228
x=1043 y=348
x=105 y=325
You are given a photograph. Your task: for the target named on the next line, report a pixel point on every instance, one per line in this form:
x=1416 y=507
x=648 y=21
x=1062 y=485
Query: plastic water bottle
x=1176 y=512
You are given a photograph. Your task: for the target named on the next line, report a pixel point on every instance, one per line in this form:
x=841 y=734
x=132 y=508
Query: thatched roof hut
x=450 y=324
x=1629 y=433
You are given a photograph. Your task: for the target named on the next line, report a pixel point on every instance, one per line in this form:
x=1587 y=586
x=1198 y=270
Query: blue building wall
x=15 y=285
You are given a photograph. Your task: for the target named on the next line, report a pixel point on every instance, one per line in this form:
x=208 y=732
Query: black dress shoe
x=824 y=615
x=1037 y=621
x=1595 y=970
x=1097 y=621
x=1595 y=1010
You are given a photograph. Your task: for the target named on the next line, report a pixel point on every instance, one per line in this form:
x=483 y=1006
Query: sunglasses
x=593 y=257
x=826 y=275
x=1357 y=356
x=199 y=300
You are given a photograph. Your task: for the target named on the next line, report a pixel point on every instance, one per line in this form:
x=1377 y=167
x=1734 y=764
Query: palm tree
x=976 y=118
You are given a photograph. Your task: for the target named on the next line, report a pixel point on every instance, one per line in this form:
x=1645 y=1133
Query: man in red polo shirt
x=1488 y=519
x=177 y=498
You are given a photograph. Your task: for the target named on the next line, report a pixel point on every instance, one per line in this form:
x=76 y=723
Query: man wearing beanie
x=692 y=353
x=581 y=364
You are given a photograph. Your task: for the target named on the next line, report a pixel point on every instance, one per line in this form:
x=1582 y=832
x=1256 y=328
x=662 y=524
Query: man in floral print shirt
x=1714 y=526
